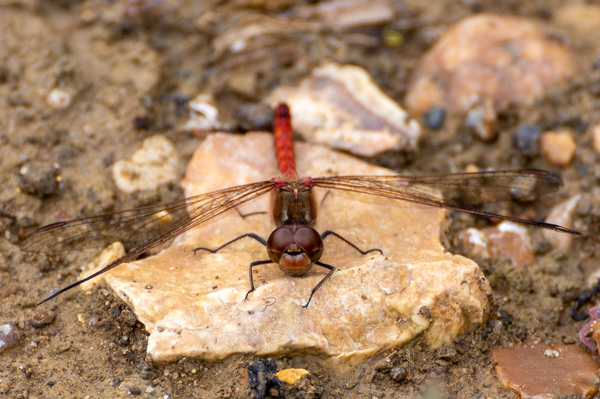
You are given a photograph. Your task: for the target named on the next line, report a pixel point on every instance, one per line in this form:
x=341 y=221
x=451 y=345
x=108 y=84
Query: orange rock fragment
x=539 y=370
x=558 y=147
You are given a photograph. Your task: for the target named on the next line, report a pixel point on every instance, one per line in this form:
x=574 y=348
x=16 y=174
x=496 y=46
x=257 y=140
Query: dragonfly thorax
x=294 y=205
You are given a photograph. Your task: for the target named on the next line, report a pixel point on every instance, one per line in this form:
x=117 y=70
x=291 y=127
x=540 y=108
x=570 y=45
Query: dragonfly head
x=294 y=248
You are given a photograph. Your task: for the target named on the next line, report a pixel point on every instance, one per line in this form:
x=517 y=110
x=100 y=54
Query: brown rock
x=9 y=289
x=41 y=318
x=503 y=58
x=512 y=241
x=558 y=147
x=540 y=370
x=475 y=242
x=507 y=239
x=196 y=305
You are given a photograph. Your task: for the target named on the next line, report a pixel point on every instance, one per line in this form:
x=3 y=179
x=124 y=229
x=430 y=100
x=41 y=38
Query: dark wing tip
x=549 y=177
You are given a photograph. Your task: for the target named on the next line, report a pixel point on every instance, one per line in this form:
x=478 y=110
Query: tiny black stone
x=434 y=118
x=526 y=140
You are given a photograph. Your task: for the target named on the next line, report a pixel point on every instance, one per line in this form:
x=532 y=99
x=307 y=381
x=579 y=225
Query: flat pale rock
x=193 y=305
x=342 y=107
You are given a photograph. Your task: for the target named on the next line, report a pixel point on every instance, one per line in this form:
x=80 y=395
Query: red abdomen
x=283 y=140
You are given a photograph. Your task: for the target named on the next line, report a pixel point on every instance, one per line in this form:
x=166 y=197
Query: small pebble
x=204 y=114
x=551 y=353
x=142 y=122
x=526 y=140
x=558 y=147
x=291 y=376
x=9 y=337
x=254 y=117
x=38 y=178
x=22 y=321
x=41 y=318
x=481 y=121
x=59 y=99
x=474 y=242
x=512 y=241
x=87 y=15
x=596 y=137
x=399 y=373
x=507 y=239
x=434 y=118
x=9 y=289
x=472 y=168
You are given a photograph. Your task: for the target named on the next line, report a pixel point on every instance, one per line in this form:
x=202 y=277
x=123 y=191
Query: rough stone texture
x=340 y=106
x=193 y=306
x=503 y=58
x=538 y=370
x=153 y=164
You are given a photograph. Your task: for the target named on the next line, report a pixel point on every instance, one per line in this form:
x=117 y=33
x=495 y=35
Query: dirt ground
x=129 y=73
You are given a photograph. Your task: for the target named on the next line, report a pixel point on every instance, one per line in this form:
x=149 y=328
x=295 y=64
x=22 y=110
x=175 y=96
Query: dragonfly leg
x=583 y=299
x=255 y=263
x=333 y=233
x=251 y=235
x=331 y=270
x=245 y=215
x=327 y=194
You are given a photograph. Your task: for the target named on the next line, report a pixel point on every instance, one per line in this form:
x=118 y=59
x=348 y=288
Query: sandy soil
x=129 y=75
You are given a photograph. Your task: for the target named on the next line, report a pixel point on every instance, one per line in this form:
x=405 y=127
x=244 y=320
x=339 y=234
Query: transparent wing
x=139 y=226
x=456 y=191
x=140 y=229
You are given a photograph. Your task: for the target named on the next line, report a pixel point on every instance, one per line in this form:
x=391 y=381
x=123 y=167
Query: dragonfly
x=294 y=244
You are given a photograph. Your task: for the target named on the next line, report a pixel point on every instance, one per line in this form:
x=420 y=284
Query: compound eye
x=310 y=241
x=280 y=239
